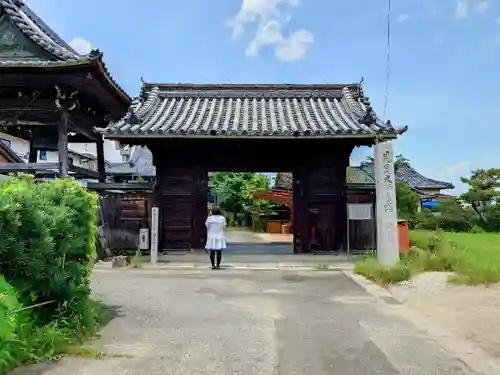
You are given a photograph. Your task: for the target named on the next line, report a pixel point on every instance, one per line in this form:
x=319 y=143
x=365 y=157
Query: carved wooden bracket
x=66 y=100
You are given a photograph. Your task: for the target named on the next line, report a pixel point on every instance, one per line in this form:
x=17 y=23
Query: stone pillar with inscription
x=386 y=211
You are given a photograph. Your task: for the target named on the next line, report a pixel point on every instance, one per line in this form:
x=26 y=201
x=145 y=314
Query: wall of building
x=430 y=191
x=21 y=147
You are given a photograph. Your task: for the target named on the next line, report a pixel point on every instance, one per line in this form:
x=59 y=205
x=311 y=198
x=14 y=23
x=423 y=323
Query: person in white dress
x=216 y=239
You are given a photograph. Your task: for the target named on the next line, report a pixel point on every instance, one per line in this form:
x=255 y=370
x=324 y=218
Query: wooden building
x=8 y=156
x=360 y=188
x=192 y=129
x=50 y=94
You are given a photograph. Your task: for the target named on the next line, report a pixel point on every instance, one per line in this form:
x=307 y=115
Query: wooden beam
x=125 y=186
x=80 y=171
x=74 y=171
x=27 y=167
x=101 y=165
x=62 y=144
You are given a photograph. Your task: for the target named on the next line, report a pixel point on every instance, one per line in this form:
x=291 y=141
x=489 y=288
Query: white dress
x=216 y=239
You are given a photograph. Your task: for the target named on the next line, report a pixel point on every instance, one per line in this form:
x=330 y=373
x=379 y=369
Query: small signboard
x=359 y=211
x=143 y=238
x=155 y=214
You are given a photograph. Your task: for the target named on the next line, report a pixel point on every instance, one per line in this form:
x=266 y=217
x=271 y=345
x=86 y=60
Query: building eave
x=251 y=111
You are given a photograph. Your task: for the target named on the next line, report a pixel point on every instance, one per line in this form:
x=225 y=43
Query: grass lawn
x=474 y=258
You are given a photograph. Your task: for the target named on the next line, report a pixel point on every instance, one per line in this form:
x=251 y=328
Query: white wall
x=21 y=147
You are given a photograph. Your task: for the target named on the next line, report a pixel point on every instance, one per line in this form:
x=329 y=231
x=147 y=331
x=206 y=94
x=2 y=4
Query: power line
x=388 y=61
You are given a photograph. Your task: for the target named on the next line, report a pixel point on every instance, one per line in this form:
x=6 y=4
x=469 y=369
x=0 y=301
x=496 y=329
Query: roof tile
x=33 y=27
x=250 y=110
x=365 y=174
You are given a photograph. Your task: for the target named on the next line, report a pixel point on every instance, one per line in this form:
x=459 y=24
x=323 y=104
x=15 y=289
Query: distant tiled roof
x=140 y=164
x=185 y=110
x=283 y=181
x=364 y=174
x=406 y=173
x=42 y=35
x=10 y=155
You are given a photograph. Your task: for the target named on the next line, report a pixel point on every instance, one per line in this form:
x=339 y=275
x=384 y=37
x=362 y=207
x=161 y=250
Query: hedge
x=47 y=241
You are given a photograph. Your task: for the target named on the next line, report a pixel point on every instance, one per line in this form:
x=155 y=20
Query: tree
x=230 y=188
x=482 y=192
x=399 y=160
x=236 y=194
x=257 y=208
x=407 y=200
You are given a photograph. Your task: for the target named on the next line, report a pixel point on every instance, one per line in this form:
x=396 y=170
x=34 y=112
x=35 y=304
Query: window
x=6 y=142
x=43 y=155
x=71 y=161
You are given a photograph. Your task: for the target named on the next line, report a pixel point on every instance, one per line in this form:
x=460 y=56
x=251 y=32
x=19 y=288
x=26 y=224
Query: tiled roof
x=364 y=174
x=140 y=164
x=250 y=110
x=35 y=29
x=406 y=173
x=10 y=155
x=41 y=34
x=284 y=181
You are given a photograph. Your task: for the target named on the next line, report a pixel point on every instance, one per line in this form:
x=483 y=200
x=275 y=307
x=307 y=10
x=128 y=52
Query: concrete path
x=254 y=322
x=236 y=236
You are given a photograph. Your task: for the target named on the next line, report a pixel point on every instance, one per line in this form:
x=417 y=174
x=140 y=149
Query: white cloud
x=458 y=167
x=80 y=45
x=461 y=9
x=269 y=18
x=402 y=17
x=295 y=46
x=481 y=6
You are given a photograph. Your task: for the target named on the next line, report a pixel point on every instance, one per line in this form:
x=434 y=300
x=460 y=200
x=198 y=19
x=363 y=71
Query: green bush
x=8 y=303
x=47 y=241
x=22 y=340
x=373 y=270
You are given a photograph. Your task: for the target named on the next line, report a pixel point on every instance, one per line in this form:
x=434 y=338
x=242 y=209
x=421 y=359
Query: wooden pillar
x=101 y=165
x=62 y=144
x=200 y=211
x=301 y=235
x=33 y=153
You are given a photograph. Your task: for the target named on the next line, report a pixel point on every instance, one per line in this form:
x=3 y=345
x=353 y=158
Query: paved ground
x=234 y=236
x=254 y=322
x=232 y=258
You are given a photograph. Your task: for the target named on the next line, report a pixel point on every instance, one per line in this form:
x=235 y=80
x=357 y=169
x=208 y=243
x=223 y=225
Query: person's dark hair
x=216 y=210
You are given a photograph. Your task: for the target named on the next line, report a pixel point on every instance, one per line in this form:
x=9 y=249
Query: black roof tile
x=365 y=175
x=28 y=22
x=37 y=30
x=182 y=110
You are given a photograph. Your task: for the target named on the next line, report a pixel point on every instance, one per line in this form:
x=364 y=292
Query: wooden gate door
x=182 y=199
x=319 y=208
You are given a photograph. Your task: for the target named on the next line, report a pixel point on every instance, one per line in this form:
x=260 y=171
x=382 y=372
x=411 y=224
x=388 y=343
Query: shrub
x=373 y=270
x=8 y=302
x=47 y=240
x=23 y=341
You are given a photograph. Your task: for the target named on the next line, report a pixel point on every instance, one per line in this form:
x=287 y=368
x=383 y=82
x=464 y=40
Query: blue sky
x=444 y=70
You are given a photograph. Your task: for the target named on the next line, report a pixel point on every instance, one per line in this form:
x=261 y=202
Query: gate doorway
x=309 y=130
x=259 y=217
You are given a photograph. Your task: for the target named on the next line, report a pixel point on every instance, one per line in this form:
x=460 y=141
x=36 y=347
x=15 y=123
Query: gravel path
x=471 y=312
x=250 y=322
